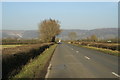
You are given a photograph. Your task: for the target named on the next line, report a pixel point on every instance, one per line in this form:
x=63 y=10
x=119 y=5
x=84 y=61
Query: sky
x=71 y=15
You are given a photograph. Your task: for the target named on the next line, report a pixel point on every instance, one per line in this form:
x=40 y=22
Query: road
x=70 y=61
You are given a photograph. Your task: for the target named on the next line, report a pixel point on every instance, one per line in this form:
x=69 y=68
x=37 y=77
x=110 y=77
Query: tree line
x=72 y=36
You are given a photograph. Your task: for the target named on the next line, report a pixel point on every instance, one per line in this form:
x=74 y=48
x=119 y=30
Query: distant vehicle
x=109 y=41
x=59 y=42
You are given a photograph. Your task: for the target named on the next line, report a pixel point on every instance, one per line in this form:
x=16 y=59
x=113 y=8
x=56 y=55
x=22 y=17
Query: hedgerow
x=14 y=58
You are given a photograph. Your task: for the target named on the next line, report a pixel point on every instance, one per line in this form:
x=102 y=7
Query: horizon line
x=63 y=29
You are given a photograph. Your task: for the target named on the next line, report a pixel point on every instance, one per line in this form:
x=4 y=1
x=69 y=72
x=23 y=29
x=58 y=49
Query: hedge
x=111 y=46
x=14 y=58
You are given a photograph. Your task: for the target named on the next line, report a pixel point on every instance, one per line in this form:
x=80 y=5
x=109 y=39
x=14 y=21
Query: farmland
x=59 y=40
x=9 y=46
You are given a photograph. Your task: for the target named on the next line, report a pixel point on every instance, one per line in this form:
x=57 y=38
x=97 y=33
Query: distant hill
x=25 y=34
x=103 y=33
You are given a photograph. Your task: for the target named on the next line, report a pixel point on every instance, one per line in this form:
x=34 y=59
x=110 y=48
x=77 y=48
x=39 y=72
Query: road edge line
x=87 y=57
x=116 y=74
x=48 y=71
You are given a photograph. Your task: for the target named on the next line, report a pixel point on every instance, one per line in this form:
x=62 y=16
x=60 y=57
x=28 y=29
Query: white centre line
x=87 y=57
x=48 y=71
x=115 y=74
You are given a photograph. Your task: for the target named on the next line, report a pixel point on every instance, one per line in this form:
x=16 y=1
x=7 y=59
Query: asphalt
x=70 y=61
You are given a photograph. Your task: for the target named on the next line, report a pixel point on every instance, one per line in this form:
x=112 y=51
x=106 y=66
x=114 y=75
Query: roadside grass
x=107 y=51
x=37 y=67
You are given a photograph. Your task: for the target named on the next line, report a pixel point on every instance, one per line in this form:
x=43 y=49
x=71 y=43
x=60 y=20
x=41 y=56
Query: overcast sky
x=72 y=15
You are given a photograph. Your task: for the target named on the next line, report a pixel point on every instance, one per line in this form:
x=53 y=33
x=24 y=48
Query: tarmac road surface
x=70 y=61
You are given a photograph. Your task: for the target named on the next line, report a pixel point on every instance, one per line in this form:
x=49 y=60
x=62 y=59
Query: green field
x=9 y=46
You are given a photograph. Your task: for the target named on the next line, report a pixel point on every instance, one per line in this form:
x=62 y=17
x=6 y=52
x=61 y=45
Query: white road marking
x=48 y=71
x=77 y=51
x=115 y=74
x=87 y=57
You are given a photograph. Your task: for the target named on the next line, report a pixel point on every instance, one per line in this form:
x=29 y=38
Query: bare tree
x=48 y=30
x=72 y=35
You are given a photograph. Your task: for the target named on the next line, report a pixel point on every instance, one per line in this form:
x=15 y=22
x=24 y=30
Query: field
x=9 y=46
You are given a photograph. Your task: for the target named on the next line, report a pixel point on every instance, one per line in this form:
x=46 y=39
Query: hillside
x=29 y=34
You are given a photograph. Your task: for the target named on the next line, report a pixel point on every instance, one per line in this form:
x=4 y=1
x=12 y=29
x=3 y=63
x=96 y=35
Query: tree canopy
x=49 y=29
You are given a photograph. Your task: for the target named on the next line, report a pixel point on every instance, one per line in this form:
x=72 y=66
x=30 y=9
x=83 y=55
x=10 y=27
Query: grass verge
x=107 y=51
x=37 y=67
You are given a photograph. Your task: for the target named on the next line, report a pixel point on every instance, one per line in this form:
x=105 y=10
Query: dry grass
x=112 y=46
x=107 y=51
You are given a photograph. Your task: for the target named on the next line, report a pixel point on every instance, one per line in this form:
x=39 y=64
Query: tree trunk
x=53 y=39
